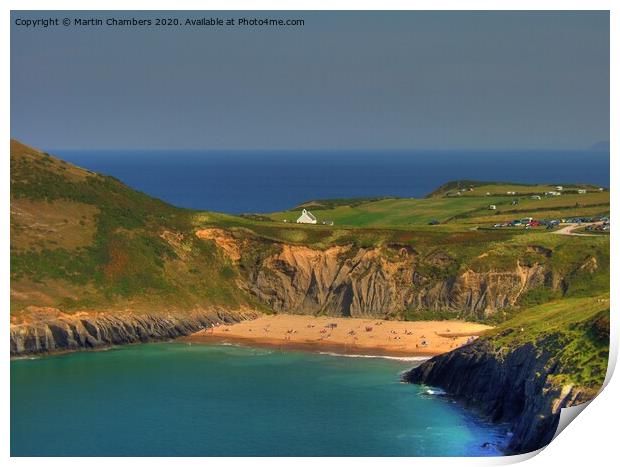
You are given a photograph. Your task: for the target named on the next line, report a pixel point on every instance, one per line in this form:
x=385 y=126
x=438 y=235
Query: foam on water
x=387 y=357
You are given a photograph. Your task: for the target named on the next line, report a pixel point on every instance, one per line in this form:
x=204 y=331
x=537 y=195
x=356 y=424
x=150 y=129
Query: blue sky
x=391 y=80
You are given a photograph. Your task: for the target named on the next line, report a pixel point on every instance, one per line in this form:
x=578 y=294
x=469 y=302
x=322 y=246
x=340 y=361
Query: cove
x=173 y=399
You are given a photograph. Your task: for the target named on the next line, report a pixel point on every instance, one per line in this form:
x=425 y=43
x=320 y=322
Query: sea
x=175 y=399
x=266 y=181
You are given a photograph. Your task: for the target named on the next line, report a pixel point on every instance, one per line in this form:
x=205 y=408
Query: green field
x=467 y=211
x=473 y=188
x=394 y=212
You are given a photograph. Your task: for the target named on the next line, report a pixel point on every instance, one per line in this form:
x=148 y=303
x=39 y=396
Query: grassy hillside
x=80 y=239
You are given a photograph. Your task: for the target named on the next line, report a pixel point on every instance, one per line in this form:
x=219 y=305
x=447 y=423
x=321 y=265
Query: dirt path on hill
x=569 y=229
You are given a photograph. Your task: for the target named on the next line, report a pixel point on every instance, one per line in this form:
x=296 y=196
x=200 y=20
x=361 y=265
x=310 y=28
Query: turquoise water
x=179 y=400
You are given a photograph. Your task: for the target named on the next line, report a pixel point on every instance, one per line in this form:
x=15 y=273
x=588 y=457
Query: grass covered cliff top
x=574 y=330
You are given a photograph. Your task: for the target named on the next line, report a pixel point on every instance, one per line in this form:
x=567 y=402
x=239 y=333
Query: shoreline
x=344 y=336
x=312 y=347
x=361 y=337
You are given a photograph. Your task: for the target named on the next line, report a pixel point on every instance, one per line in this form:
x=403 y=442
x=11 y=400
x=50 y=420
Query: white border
x=591 y=441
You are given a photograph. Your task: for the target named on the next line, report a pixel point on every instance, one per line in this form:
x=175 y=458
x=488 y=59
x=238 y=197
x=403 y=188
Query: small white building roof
x=306 y=217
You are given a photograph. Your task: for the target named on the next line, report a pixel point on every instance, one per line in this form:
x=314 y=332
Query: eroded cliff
x=387 y=280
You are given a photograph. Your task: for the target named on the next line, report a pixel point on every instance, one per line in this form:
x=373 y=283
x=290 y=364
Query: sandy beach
x=362 y=336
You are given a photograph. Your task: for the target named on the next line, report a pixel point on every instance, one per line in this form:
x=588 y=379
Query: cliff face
x=340 y=281
x=517 y=388
x=335 y=281
x=50 y=330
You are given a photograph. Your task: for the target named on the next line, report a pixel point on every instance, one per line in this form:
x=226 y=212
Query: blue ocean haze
x=267 y=181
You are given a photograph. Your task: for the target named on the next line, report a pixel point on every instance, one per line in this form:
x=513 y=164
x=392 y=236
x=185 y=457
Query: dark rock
x=64 y=332
x=511 y=388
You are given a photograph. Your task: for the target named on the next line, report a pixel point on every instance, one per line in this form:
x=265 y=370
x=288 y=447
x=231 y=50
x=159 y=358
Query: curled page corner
x=567 y=415
x=517 y=458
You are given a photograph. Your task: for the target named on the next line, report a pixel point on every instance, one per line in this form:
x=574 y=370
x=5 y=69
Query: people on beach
x=384 y=336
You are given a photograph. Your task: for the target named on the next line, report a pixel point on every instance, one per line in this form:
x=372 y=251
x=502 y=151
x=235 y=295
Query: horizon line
x=299 y=150
x=593 y=147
